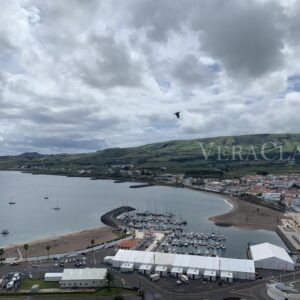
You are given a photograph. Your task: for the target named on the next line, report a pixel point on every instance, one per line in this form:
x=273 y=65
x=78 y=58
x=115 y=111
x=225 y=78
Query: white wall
x=83 y=283
x=274 y=263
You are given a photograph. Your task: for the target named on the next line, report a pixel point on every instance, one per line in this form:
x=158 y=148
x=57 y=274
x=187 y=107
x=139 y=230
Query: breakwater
x=110 y=218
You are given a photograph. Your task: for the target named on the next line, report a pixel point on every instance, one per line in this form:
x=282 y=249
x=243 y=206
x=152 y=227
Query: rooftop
x=267 y=250
x=84 y=274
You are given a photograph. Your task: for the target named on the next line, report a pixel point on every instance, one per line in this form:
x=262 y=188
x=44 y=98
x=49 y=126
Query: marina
x=177 y=239
x=194 y=243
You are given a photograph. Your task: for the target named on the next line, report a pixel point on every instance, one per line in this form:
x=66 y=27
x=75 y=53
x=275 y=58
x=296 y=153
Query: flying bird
x=177 y=114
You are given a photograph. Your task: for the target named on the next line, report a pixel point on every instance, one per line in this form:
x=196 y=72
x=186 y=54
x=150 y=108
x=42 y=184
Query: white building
x=84 y=278
x=226 y=276
x=127 y=267
x=272 y=197
x=145 y=269
x=176 y=272
x=55 y=277
x=210 y=275
x=161 y=270
x=269 y=256
x=240 y=268
x=193 y=273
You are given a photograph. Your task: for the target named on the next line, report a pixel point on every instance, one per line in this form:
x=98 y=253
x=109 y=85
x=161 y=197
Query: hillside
x=220 y=156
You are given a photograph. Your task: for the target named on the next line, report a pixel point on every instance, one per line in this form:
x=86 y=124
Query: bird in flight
x=177 y=114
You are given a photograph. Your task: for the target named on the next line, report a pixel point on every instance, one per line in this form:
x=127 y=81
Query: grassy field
x=28 y=283
x=198 y=157
x=114 y=292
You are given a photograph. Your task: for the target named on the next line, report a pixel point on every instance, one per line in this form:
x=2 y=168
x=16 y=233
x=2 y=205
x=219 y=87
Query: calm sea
x=83 y=201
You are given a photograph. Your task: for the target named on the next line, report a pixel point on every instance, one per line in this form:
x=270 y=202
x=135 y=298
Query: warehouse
x=84 y=278
x=269 y=256
x=240 y=268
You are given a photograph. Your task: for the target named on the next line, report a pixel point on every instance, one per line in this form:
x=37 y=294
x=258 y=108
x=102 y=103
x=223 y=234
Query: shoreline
x=69 y=242
x=243 y=215
x=248 y=216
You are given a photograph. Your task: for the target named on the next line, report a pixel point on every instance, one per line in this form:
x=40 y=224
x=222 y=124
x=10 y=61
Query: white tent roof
x=237 y=265
x=267 y=250
x=184 y=261
x=84 y=274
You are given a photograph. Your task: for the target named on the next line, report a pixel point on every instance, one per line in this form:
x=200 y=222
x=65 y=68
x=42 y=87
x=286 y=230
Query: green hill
x=221 y=156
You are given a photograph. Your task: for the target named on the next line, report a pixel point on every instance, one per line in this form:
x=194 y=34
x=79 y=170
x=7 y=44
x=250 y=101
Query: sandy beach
x=248 y=215
x=243 y=214
x=64 y=243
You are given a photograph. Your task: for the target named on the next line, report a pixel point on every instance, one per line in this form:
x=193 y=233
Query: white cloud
x=83 y=75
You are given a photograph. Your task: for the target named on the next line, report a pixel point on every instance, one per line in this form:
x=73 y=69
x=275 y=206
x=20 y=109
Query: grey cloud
x=158 y=17
x=110 y=66
x=243 y=35
x=101 y=69
x=190 y=72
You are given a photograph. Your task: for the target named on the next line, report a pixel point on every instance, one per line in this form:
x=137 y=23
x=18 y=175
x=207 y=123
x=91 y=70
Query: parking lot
x=164 y=286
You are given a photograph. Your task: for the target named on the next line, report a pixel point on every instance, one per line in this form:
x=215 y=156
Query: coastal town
x=150 y=150
x=150 y=250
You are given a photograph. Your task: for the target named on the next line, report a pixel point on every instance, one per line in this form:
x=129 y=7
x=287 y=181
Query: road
x=165 y=288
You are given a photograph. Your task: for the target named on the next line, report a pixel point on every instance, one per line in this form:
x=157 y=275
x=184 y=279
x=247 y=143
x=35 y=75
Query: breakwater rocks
x=136 y=186
x=110 y=218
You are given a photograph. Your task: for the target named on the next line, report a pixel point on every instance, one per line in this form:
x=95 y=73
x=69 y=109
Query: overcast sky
x=78 y=75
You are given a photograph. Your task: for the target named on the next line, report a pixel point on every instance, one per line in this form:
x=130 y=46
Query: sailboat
x=46 y=197
x=11 y=202
x=56 y=207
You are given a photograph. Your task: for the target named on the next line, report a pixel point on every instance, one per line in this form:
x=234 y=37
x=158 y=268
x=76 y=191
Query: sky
x=80 y=76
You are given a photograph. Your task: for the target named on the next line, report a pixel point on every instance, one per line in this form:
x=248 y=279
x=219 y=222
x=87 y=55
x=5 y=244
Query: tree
x=48 y=250
x=109 y=278
x=1 y=255
x=92 y=243
x=26 y=247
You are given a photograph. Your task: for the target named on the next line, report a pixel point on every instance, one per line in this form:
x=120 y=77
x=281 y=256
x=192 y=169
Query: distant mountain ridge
x=206 y=156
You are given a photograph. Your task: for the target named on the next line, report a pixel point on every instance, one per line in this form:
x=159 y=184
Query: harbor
x=177 y=239
x=83 y=202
